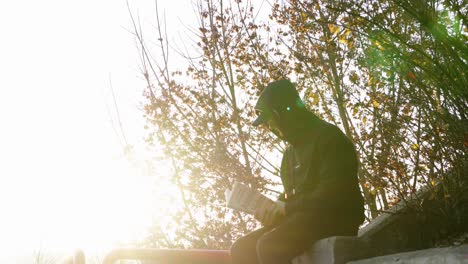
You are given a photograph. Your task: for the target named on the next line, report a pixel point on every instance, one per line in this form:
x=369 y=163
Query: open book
x=246 y=199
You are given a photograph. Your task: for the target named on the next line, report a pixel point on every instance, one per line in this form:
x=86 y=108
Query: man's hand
x=267 y=215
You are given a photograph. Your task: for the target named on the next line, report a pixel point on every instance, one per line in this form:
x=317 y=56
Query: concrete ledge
x=449 y=255
x=333 y=250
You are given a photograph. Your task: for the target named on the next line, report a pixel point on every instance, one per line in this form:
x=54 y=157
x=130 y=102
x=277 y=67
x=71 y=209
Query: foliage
x=391 y=74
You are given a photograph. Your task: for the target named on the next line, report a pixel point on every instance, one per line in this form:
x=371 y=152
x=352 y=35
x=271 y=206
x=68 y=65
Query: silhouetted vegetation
x=391 y=74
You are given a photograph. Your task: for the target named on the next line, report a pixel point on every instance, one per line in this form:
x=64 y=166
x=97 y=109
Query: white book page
x=245 y=199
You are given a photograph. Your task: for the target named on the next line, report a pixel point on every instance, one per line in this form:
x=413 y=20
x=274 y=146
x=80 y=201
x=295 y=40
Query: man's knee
x=267 y=247
x=237 y=248
x=243 y=251
x=275 y=247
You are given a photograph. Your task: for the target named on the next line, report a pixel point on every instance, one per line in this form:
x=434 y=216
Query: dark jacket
x=319 y=173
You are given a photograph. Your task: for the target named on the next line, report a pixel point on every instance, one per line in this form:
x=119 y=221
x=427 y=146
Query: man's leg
x=243 y=251
x=295 y=235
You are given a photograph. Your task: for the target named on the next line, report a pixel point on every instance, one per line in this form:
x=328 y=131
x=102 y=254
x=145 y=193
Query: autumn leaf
x=355 y=111
x=411 y=75
x=375 y=104
x=333 y=28
x=315 y=98
x=379 y=46
x=354 y=77
x=343 y=40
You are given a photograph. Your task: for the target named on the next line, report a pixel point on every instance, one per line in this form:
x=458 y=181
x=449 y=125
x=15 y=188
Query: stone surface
x=449 y=255
x=401 y=228
x=333 y=250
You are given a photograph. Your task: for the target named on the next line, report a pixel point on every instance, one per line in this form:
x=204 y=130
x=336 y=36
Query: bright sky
x=64 y=181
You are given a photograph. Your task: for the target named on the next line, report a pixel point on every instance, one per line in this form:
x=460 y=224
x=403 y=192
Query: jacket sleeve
x=336 y=173
x=282 y=197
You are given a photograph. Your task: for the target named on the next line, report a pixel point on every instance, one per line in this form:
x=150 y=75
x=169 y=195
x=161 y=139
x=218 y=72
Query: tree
x=391 y=74
x=198 y=117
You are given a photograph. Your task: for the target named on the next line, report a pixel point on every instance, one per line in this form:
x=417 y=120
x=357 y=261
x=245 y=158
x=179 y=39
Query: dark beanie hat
x=278 y=95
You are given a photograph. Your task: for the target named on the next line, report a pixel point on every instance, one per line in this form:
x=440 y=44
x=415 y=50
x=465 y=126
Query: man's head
x=278 y=106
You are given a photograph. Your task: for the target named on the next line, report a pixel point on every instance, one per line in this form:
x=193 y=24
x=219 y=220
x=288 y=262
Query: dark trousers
x=293 y=236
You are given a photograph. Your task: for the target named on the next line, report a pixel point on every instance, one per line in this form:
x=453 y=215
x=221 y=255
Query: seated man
x=319 y=175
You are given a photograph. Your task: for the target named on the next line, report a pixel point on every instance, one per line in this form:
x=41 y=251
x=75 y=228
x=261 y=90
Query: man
x=319 y=175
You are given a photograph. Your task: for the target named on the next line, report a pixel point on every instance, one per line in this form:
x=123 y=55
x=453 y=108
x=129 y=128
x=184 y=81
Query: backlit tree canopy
x=390 y=74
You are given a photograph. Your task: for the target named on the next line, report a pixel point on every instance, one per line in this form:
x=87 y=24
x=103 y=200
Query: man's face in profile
x=272 y=122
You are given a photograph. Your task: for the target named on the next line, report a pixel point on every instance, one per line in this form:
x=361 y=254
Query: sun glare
x=64 y=182
x=93 y=211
